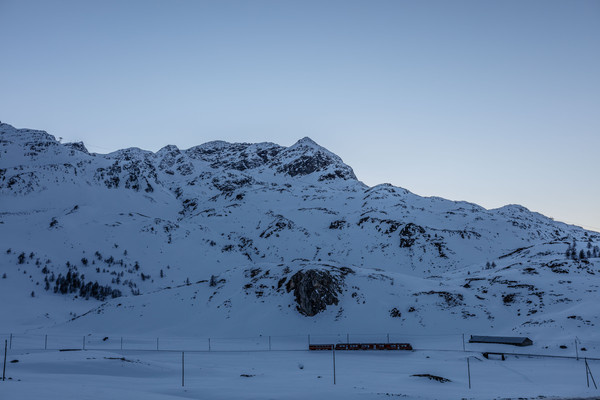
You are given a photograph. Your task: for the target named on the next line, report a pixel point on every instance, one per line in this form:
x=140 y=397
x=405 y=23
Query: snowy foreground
x=135 y=374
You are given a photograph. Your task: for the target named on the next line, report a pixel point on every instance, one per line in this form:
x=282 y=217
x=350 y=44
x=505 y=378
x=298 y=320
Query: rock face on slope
x=314 y=290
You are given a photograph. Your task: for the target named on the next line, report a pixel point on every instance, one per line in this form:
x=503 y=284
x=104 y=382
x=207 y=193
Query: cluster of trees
x=590 y=252
x=489 y=265
x=75 y=283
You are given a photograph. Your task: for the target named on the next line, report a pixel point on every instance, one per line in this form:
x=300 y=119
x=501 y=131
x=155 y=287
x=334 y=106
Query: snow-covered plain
x=187 y=245
x=95 y=374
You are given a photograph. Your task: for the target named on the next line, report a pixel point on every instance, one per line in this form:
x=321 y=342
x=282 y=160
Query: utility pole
x=182 y=368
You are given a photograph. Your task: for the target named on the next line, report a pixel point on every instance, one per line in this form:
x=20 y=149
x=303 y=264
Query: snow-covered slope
x=262 y=238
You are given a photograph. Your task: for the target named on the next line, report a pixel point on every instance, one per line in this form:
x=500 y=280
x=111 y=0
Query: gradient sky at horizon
x=493 y=102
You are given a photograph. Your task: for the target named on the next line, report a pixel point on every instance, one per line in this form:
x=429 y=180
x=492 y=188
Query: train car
x=361 y=346
x=320 y=347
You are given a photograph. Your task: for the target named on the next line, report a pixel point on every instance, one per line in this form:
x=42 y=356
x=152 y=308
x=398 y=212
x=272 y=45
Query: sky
x=493 y=102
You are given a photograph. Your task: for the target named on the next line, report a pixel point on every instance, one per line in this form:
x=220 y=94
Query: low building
x=514 y=341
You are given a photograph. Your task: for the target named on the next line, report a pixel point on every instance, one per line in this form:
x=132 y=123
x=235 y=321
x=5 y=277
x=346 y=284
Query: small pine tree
x=21 y=258
x=4 y=275
x=582 y=254
x=493 y=264
x=187 y=281
x=162 y=274
x=488 y=265
x=32 y=294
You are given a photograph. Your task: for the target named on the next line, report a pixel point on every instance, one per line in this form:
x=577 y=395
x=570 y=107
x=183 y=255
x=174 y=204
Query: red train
x=362 y=346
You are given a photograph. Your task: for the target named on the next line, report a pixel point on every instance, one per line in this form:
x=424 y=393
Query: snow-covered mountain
x=226 y=237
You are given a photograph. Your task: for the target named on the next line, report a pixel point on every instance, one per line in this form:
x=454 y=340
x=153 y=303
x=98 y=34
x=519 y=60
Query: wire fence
x=575 y=348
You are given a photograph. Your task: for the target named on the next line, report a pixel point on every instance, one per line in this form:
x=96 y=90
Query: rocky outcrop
x=314 y=290
x=409 y=234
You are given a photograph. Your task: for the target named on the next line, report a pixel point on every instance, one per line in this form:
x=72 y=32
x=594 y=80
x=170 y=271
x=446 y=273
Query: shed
x=512 y=340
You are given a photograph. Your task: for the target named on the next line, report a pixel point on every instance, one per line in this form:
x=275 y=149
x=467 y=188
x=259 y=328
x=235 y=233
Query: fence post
x=182 y=368
x=10 y=343
x=4 y=367
x=46 y=343
x=333 y=352
x=469 y=372
x=269 y=343
x=156 y=344
x=83 y=342
x=388 y=338
x=576 y=350
x=208 y=344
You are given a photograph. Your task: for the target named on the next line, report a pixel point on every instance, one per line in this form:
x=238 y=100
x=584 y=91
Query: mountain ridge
x=145 y=221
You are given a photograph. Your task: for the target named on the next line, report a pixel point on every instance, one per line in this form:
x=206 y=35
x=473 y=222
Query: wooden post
x=46 y=343
x=576 y=350
x=84 y=342
x=208 y=344
x=156 y=344
x=4 y=367
x=182 y=368
x=333 y=352
x=587 y=377
x=269 y=343
x=469 y=372
x=121 y=342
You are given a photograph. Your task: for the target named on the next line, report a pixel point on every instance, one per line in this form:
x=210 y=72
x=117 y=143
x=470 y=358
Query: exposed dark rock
x=314 y=290
x=79 y=146
x=409 y=234
x=305 y=165
x=452 y=299
x=338 y=224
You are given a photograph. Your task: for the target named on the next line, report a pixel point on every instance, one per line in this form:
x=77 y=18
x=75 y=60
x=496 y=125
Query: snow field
x=94 y=374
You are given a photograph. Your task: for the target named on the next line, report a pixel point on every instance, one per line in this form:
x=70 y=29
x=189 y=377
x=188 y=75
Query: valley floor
x=360 y=375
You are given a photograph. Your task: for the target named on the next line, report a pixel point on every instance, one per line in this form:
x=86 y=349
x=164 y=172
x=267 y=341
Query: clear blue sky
x=494 y=102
